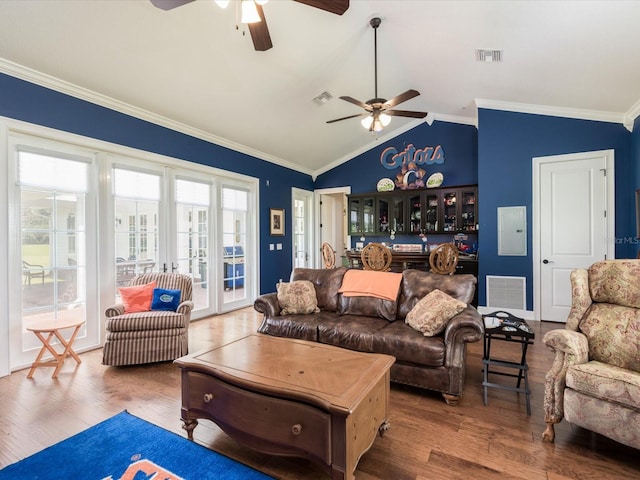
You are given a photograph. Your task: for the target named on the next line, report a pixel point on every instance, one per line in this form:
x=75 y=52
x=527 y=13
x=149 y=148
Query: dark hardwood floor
x=427 y=438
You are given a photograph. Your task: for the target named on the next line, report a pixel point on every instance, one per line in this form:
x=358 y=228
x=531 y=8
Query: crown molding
x=596 y=115
x=62 y=86
x=631 y=115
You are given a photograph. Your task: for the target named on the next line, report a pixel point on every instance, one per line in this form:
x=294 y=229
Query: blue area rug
x=128 y=448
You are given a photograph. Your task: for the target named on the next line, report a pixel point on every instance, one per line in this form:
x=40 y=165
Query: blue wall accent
x=31 y=103
x=507 y=142
x=635 y=140
x=497 y=157
x=460 y=167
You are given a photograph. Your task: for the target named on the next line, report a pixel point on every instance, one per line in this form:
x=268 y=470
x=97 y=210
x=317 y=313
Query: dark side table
x=508 y=328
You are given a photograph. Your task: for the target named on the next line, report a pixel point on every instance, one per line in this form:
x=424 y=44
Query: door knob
x=545 y=261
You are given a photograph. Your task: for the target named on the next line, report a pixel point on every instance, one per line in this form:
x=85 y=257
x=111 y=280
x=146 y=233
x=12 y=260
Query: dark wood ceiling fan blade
x=169 y=4
x=334 y=6
x=363 y=114
x=260 y=32
x=366 y=106
x=403 y=97
x=405 y=113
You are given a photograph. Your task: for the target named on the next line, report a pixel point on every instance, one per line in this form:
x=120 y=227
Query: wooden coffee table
x=290 y=397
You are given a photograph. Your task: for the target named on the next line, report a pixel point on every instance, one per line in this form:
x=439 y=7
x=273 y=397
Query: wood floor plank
x=428 y=439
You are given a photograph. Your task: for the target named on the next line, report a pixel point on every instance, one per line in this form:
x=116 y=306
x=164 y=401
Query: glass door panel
x=193 y=239
x=431 y=220
x=355 y=225
x=468 y=220
x=383 y=215
x=415 y=213
x=234 y=239
x=450 y=222
x=300 y=253
x=136 y=206
x=398 y=218
x=52 y=194
x=368 y=215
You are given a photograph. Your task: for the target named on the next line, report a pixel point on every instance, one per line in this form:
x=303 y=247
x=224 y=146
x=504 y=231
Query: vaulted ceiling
x=190 y=69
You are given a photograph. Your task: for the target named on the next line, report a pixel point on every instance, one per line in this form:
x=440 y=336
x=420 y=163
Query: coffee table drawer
x=290 y=425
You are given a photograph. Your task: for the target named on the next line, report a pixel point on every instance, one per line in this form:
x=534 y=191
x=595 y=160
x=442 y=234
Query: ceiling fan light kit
x=378 y=111
x=249 y=12
x=253 y=15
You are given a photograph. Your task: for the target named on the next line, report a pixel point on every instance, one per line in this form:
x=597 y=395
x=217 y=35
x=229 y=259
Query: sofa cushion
x=614 y=335
x=432 y=313
x=417 y=284
x=351 y=331
x=297 y=297
x=410 y=346
x=615 y=281
x=303 y=327
x=606 y=382
x=326 y=282
x=368 y=307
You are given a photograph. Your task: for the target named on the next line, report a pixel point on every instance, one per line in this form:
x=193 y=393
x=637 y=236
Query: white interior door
x=333 y=222
x=574 y=193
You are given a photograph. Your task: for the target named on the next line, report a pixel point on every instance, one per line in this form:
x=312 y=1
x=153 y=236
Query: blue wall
x=31 y=103
x=497 y=157
x=635 y=140
x=460 y=167
x=507 y=142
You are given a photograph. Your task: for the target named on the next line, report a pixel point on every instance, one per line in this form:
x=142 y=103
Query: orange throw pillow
x=137 y=298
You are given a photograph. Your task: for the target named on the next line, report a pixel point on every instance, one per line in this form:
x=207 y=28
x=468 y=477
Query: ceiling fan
x=258 y=28
x=378 y=110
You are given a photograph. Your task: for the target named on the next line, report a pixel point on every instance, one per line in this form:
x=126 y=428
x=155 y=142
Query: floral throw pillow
x=432 y=313
x=297 y=297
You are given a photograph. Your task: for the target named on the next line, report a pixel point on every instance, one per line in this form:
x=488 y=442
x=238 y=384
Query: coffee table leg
x=189 y=425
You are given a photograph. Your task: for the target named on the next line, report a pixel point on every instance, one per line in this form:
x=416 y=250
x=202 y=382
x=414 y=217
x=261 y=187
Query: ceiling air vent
x=323 y=98
x=489 y=56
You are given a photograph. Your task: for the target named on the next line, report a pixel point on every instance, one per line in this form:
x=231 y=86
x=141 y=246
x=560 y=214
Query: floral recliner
x=594 y=381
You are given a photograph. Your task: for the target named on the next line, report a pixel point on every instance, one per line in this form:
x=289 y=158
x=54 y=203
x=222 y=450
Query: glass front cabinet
x=391 y=213
x=362 y=214
x=435 y=210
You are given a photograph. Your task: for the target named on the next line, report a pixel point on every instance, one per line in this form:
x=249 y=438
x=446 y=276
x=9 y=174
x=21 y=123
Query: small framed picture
x=276 y=220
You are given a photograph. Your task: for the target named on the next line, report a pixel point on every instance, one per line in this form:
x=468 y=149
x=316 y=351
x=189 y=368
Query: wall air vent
x=507 y=293
x=488 y=56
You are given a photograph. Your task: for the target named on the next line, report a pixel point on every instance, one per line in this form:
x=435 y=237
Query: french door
x=303 y=252
x=53 y=275
x=161 y=219
x=86 y=217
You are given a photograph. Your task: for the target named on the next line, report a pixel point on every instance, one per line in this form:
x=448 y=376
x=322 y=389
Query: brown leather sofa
x=377 y=326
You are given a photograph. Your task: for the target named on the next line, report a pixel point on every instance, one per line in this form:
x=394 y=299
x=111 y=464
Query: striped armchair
x=154 y=336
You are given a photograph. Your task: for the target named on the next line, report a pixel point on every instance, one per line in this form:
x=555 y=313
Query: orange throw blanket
x=369 y=283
